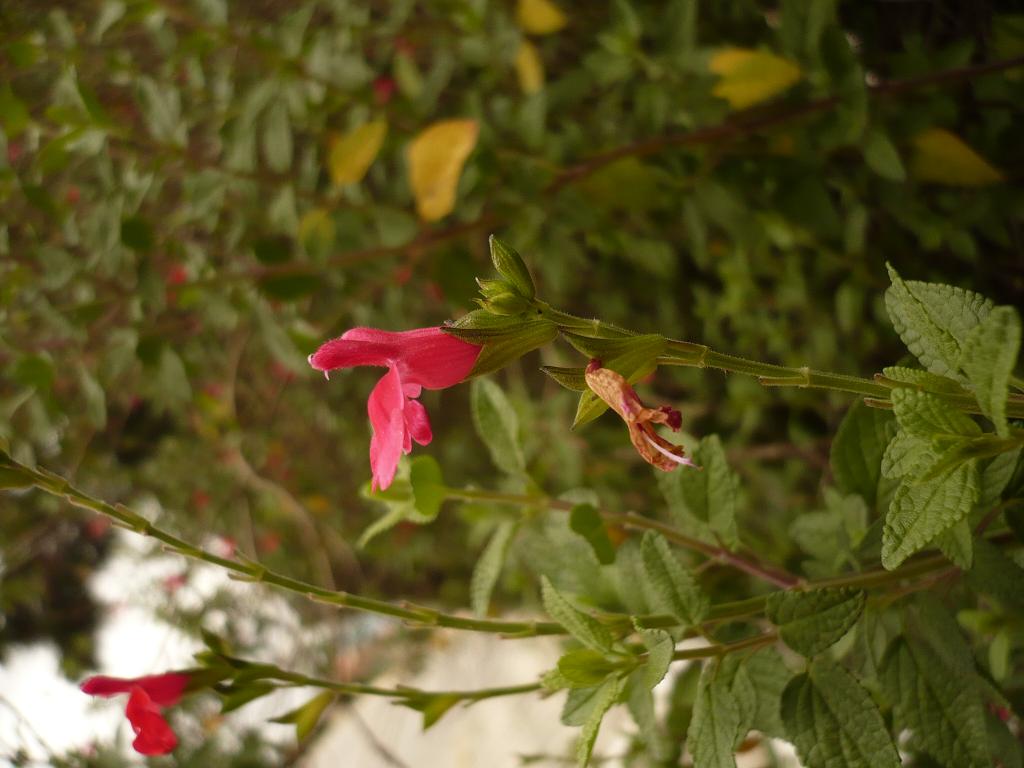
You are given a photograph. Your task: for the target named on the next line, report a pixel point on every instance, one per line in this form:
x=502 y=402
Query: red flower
x=146 y=696
x=425 y=357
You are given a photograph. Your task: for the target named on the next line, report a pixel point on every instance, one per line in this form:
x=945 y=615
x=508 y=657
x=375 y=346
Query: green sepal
x=574 y=379
x=503 y=339
x=490 y=288
x=633 y=357
x=511 y=266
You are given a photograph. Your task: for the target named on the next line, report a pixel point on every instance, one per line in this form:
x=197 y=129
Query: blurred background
x=194 y=194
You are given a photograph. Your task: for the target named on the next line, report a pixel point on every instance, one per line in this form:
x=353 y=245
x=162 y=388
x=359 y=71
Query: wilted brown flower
x=622 y=398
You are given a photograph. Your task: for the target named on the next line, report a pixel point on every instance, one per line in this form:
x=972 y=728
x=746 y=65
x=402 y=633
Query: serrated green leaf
x=606 y=696
x=585 y=667
x=919 y=512
x=833 y=721
x=709 y=497
x=584 y=628
x=809 y=622
x=769 y=676
x=488 y=567
x=579 y=703
x=308 y=715
x=856 y=453
x=660 y=649
x=585 y=520
x=944 y=715
x=907 y=454
x=511 y=266
x=996 y=475
x=955 y=543
x=671 y=589
x=497 y=425
x=926 y=415
x=989 y=354
x=925 y=380
x=716 y=721
x=934 y=320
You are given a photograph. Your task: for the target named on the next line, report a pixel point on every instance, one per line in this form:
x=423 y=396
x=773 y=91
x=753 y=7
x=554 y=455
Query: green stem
x=359 y=689
x=718 y=651
x=689 y=354
x=23 y=476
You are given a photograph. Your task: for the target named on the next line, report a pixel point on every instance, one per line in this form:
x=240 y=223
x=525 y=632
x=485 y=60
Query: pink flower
x=421 y=358
x=146 y=698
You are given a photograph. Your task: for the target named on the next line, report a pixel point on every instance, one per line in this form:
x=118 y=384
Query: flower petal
x=345 y=353
x=417 y=423
x=153 y=734
x=165 y=690
x=385 y=408
x=436 y=360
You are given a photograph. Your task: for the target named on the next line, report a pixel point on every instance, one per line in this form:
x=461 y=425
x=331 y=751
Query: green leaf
x=584 y=628
x=989 y=354
x=308 y=715
x=95 y=398
x=833 y=721
x=428 y=488
x=907 y=454
x=660 y=648
x=944 y=716
x=585 y=667
x=996 y=573
x=856 y=454
x=671 y=589
x=809 y=622
x=488 y=567
x=934 y=320
x=511 y=266
x=433 y=705
x=919 y=512
x=996 y=476
x=925 y=380
x=882 y=157
x=710 y=497
x=605 y=697
x=160 y=105
x=585 y=520
x=137 y=234
x=277 y=136
x=716 y=721
x=769 y=676
x=926 y=415
x=955 y=543
x=238 y=696
x=497 y=425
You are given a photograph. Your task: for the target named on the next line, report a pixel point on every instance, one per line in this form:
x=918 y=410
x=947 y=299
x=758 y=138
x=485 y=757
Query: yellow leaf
x=529 y=68
x=943 y=158
x=540 y=17
x=436 y=157
x=351 y=155
x=749 y=77
x=316 y=231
